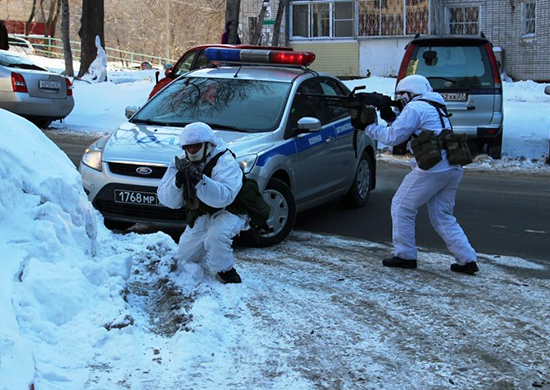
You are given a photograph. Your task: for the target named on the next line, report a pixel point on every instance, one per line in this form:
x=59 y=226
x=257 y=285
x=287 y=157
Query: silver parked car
x=464 y=70
x=32 y=91
x=20 y=45
x=298 y=149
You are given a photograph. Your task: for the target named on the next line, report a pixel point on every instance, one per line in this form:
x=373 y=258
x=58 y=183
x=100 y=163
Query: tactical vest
x=427 y=146
x=248 y=201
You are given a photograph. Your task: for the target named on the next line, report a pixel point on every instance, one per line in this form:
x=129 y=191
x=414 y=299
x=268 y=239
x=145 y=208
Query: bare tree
x=233 y=8
x=65 y=33
x=278 y=20
x=52 y=16
x=31 y=18
x=92 y=25
x=257 y=36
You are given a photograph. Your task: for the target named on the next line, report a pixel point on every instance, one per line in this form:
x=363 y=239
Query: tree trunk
x=278 y=20
x=31 y=18
x=92 y=25
x=67 y=53
x=259 y=25
x=234 y=17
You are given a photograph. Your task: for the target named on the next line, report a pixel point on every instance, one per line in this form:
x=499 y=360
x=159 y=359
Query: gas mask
x=404 y=98
x=198 y=153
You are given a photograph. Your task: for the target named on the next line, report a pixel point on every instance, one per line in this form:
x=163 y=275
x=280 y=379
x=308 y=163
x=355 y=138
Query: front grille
x=130 y=170
x=138 y=212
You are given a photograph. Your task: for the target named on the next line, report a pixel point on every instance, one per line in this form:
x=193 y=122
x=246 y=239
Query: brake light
x=69 y=87
x=494 y=66
x=280 y=57
x=18 y=83
x=405 y=63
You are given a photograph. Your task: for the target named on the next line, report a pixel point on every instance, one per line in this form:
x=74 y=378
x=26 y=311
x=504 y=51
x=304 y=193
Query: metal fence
x=53 y=47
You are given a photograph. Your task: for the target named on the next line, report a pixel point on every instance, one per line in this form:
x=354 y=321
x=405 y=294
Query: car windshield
x=16 y=61
x=452 y=67
x=225 y=104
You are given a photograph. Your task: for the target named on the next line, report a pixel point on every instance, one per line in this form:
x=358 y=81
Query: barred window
x=322 y=19
x=393 y=17
x=463 y=20
x=529 y=18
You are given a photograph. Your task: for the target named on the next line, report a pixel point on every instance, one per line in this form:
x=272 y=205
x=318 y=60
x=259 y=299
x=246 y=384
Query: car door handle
x=329 y=140
x=467 y=108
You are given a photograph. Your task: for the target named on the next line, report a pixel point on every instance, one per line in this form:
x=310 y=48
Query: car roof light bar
x=279 y=57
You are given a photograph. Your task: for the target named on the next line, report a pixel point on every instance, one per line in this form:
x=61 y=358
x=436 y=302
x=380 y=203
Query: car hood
x=159 y=145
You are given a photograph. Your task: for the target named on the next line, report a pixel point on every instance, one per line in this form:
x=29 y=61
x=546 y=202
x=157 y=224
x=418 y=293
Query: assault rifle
x=356 y=101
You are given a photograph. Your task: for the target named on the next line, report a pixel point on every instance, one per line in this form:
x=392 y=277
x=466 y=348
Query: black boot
x=399 y=262
x=230 y=276
x=468 y=268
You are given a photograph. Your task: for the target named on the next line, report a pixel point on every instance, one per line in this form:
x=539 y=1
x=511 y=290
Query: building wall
x=340 y=58
x=501 y=22
x=381 y=56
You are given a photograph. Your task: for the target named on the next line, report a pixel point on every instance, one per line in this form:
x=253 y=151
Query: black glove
x=194 y=175
x=363 y=116
x=387 y=114
x=181 y=165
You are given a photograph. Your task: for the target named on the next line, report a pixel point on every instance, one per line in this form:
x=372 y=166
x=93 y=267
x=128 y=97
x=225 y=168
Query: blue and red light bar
x=279 y=57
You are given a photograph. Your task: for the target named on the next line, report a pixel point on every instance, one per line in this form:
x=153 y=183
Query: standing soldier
x=432 y=181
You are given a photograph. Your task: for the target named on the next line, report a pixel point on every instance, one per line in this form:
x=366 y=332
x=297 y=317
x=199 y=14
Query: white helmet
x=197 y=133
x=411 y=86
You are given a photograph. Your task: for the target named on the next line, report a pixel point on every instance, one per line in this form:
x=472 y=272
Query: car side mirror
x=547 y=90
x=130 y=111
x=169 y=72
x=308 y=124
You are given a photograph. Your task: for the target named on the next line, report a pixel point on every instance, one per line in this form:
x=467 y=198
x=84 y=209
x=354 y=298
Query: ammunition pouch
x=426 y=149
x=456 y=145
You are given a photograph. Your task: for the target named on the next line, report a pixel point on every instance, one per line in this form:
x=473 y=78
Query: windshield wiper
x=225 y=127
x=149 y=122
x=441 y=78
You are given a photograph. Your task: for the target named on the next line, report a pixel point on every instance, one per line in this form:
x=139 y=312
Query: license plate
x=47 y=84
x=136 y=197
x=454 y=96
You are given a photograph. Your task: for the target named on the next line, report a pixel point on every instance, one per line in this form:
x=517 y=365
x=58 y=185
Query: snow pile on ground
x=97 y=71
x=525 y=91
x=45 y=220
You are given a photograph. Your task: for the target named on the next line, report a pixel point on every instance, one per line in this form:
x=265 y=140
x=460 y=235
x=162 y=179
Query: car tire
x=279 y=197
x=42 y=123
x=118 y=225
x=494 y=147
x=359 y=192
x=475 y=145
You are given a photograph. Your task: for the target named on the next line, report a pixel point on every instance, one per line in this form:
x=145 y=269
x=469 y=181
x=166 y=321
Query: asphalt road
x=501 y=213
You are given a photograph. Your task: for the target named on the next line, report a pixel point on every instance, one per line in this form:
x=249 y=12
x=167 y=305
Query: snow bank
x=48 y=238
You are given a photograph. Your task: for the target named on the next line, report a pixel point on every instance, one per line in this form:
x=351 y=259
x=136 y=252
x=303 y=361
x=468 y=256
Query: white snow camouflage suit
x=435 y=187
x=211 y=236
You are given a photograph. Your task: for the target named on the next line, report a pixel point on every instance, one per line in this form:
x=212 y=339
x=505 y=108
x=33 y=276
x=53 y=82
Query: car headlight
x=247 y=162
x=92 y=158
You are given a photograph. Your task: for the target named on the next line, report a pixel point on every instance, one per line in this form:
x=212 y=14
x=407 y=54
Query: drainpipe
x=287 y=23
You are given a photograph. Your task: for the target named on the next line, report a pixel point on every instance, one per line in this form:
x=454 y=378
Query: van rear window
x=452 y=67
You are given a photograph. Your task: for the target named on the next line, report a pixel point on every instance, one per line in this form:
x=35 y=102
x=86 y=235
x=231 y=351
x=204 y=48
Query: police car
x=268 y=106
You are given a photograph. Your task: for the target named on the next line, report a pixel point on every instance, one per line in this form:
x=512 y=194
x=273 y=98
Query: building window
x=393 y=17
x=322 y=19
x=463 y=20
x=529 y=18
